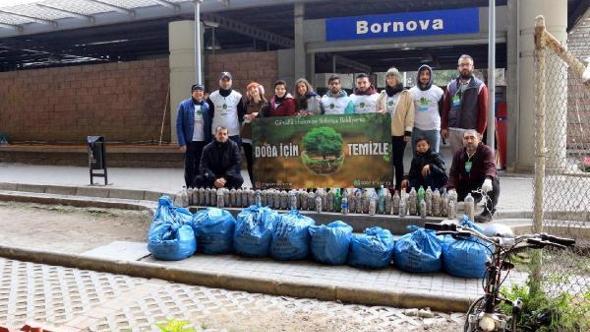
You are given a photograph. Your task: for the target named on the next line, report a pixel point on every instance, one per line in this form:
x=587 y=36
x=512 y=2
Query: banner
x=439 y=22
x=323 y=151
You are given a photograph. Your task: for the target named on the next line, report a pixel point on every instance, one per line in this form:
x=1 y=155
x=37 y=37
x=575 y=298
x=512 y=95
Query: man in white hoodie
x=364 y=96
x=427 y=105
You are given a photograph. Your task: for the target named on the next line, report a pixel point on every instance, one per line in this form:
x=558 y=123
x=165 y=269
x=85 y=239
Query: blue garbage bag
x=253 y=231
x=214 y=230
x=290 y=236
x=330 y=243
x=170 y=237
x=419 y=251
x=373 y=249
x=467 y=258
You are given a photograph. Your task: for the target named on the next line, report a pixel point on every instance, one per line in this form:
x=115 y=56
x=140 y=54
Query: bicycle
x=484 y=313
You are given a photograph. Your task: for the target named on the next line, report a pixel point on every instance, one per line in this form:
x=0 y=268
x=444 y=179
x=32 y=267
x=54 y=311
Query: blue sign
x=440 y=22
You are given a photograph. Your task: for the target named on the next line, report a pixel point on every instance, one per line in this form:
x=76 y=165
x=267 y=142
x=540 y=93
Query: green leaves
x=173 y=325
x=323 y=141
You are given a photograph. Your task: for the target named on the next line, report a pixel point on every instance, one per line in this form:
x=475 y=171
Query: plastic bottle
x=381 y=200
x=423 y=209
x=403 y=209
x=318 y=202
x=184 y=197
x=436 y=203
x=284 y=198
x=226 y=200
x=220 y=198
x=444 y=203
x=311 y=201
x=207 y=196
x=358 y=200
x=258 y=198
x=251 y=197
x=452 y=210
x=329 y=200
x=292 y=200
x=264 y=198
x=232 y=198
x=344 y=205
x=428 y=199
x=388 y=202
x=239 y=198
x=395 y=203
x=337 y=199
x=373 y=204
x=412 y=202
x=202 y=197
x=469 y=206
x=213 y=197
x=367 y=200
x=351 y=200
x=189 y=193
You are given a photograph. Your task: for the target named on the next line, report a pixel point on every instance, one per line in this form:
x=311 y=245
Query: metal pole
x=491 y=136
x=198 y=70
x=540 y=110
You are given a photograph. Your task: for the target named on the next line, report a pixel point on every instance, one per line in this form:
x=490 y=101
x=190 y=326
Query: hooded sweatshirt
x=365 y=101
x=427 y=102
x=338 y=103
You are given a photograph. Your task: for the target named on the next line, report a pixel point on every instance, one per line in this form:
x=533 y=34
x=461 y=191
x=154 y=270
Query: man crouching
x=220 y=163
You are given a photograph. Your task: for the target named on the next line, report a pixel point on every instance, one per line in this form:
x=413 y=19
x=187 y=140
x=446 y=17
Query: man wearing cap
x=193 y=130
x=227 y=108
x=364 y=96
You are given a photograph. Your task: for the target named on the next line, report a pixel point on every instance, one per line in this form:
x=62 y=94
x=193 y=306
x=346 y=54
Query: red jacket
x=287 y=107
x=483 y=165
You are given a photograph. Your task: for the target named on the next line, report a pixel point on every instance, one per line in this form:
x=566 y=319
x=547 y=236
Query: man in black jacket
x=220 y=163
x=428 y=168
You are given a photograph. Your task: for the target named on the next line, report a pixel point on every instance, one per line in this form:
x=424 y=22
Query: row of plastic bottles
x=369 y=201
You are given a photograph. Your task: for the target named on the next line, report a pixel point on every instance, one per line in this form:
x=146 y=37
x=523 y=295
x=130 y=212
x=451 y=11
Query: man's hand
x=486 y=186
x=182 y=149
x=444 y=133
x=425 y=171
x=404 y=184
x=220 y=183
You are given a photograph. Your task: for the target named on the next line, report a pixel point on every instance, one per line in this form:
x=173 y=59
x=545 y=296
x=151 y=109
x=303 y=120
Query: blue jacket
x=185 y=121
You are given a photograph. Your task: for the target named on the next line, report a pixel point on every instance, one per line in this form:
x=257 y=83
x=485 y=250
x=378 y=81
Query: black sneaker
x=483 y=217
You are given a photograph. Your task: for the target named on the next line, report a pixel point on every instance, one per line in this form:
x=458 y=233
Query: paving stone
x=93 y=192
x=120 y=250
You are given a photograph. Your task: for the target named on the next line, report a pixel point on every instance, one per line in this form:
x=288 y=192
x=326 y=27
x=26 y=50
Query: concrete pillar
x=512 y=83
x=299 y=15
x=555 y=12
x=181 y=44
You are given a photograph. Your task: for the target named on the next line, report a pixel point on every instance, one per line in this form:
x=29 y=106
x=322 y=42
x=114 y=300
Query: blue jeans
x=433 y=136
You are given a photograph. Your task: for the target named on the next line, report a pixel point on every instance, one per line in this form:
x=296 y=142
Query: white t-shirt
x=226 y=112
x=364 y=104
x=391 y=103
x=426 y=115
x=199 y=132
x=335 y=105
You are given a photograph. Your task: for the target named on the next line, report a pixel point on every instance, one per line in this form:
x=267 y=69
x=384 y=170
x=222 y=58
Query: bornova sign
x=440 y=22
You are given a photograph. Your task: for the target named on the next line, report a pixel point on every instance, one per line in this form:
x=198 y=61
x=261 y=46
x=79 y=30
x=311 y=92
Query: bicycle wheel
x=475 y=307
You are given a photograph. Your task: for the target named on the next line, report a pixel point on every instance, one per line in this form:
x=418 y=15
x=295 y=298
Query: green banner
x=324 y=151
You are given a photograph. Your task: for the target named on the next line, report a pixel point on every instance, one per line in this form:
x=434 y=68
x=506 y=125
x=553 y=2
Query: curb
x=272 y=286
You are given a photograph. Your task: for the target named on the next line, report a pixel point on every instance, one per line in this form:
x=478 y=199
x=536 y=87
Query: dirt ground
x=68 y=229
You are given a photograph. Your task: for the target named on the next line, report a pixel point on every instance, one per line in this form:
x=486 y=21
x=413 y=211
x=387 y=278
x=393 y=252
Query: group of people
x=212 y=130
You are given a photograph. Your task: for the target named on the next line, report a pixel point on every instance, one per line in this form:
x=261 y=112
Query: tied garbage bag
x=373 y=249
x=253 y=231
x=214 y=230
x=170 y=237
x=330 y=243
x=418 y=251
x=290 y=236
x=467 y=257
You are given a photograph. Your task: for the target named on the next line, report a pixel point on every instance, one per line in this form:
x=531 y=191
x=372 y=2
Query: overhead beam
x=168 y=4
x=119 y=9
x=11 y=26
x=66 y=11
x=248 y=30
x=352 y=64
x=29 y=17
x=577 y=14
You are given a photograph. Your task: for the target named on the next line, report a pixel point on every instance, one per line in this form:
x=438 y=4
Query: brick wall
x=245 y=67
x=121 y=101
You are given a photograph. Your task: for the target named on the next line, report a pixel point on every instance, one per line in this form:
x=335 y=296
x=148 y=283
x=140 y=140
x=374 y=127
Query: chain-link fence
x=562 y=166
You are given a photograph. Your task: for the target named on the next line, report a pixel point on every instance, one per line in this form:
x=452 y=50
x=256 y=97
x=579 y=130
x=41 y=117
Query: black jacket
x=220 y=160
x=437 y=167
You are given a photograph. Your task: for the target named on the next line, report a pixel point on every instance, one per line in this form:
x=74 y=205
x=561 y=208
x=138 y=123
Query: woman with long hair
x=255 y=103
x=308 y=101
